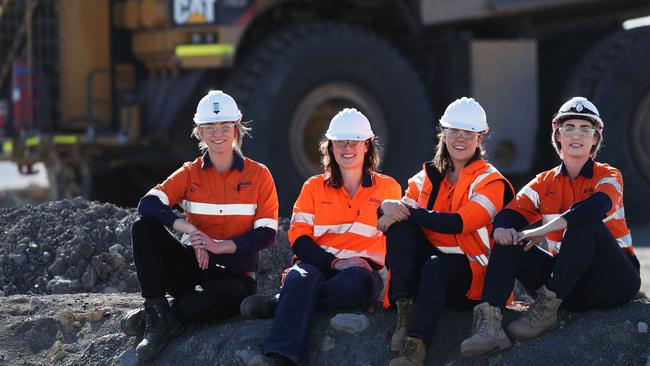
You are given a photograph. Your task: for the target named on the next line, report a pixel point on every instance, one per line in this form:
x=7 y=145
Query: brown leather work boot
x=487 y=333
x=540 y=317
x=414 y=353
x=404 y=314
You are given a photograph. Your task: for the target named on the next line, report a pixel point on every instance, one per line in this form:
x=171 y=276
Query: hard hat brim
x=462 y=126
x=199 y=121
x=583 y=116
x=349 y=137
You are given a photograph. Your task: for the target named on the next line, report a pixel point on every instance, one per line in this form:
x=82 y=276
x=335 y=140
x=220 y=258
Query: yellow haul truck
x=103 y=91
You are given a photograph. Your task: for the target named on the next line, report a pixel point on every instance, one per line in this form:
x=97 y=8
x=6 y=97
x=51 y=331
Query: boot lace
x=481 y=323
x=404 y=313
x=537 y=309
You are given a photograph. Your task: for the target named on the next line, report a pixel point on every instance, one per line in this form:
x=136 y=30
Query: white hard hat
x=465 y=114
x=579 y=108
x=217 y=106
x=349 y=124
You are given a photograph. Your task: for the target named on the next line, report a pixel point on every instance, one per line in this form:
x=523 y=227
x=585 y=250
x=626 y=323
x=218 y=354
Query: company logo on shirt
x=375 y=201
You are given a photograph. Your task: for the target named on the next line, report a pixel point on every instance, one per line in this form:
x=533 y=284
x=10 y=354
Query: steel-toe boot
x=259 y=306
x=161 y=325
x=404 y=313
x=540 y=317
x=133 y=323
x=414 y=353
x=487 y=333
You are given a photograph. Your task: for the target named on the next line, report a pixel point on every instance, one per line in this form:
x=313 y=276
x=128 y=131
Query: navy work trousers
x=307 y=289
x=419 y=270
x=166 y=266
x=591 y=271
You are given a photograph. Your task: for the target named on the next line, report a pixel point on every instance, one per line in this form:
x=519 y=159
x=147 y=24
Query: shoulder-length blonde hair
x=333 y=175
x=241 y=129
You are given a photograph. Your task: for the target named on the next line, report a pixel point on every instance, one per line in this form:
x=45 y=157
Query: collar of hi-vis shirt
x=237 y=161
x=587 y=170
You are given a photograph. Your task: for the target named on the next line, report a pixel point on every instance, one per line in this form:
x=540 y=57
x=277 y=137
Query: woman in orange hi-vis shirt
x=231 y=213
x=333 y=233
x=438 y=242
x=590 y=263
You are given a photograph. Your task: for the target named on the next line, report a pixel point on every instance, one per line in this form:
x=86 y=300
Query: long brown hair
x=333 y=175
x=442 y=159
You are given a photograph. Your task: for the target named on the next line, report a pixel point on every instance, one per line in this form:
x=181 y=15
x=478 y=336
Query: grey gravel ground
x=60 y=262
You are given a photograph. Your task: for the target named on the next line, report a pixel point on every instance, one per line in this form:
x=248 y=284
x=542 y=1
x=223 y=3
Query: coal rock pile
x=74 y=246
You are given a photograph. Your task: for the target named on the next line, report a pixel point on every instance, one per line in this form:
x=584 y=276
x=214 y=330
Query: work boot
x=414 y=353
x=540 y=317
x=259 y=306
x=161 y=325
x=133 y=323
x=487 y=333
x=404 y=313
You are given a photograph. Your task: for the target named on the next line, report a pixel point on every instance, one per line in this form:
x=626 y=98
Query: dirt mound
x=74 y=246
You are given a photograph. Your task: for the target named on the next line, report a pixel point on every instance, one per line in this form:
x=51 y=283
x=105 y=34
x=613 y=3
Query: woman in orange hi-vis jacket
x=333 y=233
x=580 y=205
x=231 y=213
x=438 y=242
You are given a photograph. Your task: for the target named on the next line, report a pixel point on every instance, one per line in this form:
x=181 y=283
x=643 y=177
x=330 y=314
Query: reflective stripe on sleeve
x=612 y=181
x=303 y=217
x=419 y=180
x=270 y=223
x=200 y=208
x=485 y=202
x=531 y=194
x=354 y=228
x=625 y=241
x=616 y=215
x=480 y=178
x=162 y=196
x=409 y=202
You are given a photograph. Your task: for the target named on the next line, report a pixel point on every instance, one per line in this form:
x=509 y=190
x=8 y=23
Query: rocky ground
x=66 y=276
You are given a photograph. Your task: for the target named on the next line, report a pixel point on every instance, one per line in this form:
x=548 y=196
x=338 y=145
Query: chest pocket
x=245 y=192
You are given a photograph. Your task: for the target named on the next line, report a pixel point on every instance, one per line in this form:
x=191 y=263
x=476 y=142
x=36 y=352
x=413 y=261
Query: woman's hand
x=532 y=237
x=342 y=264
x=385 y=222
x=218 y=246
x=395 y=210
x=505 y=236
x=202 y=257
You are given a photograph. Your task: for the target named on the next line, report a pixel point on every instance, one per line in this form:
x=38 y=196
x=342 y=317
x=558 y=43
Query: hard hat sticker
x=215 y=107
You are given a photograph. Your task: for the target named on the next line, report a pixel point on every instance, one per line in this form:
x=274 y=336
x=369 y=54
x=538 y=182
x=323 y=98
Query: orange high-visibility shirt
x=342 y=225
x=552 y=193
x=223 y=206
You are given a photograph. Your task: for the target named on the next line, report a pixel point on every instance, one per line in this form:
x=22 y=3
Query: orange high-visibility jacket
x=552 y=193
x=223 y=206
x=344 y=226
x=477 y=197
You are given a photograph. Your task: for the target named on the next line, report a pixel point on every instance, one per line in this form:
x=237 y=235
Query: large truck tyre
x=615 y=76
x=295 y=81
